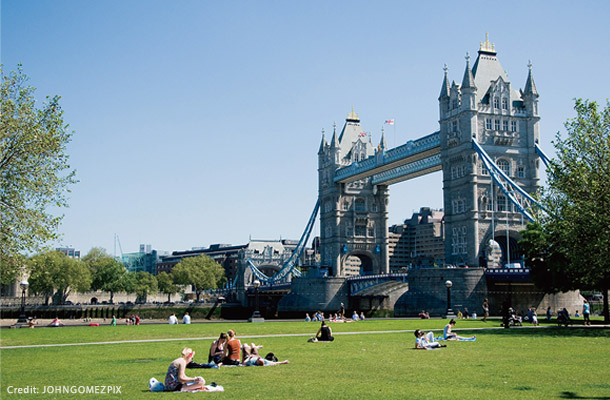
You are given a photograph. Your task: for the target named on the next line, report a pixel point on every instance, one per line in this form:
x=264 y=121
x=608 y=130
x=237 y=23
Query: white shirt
x=173 y=320
x=186 y=319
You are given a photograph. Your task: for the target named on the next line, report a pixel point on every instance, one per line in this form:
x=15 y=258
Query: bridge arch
x=358 y=262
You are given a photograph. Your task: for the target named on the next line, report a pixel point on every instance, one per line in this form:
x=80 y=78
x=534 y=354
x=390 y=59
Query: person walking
x=485 y=307
x=586 y=311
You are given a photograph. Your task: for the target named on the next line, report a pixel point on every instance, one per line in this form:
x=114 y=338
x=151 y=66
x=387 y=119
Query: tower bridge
x=486 y=148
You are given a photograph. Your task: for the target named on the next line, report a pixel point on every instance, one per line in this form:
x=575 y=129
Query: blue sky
x=198 y=122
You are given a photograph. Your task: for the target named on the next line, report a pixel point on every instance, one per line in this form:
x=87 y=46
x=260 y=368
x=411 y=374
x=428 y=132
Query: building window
x=504 y=104
x=483 y=169
x=513 y=126
x=521 y=171
x=454 y=126
x=360 y=230
x=496 y=102
x=488 y=123
x=505 y=126
x=501 y=203
x=455 y=103
x=360 y=205
x=497 y=124
x=504 y=166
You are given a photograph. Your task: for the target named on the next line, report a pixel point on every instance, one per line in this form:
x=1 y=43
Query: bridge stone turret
x=505 y=122
x=353 y=215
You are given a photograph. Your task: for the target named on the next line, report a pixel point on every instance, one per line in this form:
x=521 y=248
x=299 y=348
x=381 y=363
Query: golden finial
x=487 y=46
x=352 y=115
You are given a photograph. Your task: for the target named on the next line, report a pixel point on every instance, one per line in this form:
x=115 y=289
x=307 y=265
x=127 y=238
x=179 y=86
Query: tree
x=201 y=272
x=569 y=248
x=107 y=272
x=54 y=271
x=34 y=170
x=142 y=284
x=166 y=285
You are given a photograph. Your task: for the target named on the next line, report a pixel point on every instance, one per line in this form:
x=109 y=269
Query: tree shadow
x=572 y=395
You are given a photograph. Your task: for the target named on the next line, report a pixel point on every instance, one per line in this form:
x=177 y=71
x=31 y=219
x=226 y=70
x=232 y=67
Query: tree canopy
x=108 y=274
x=34 y=170
x=569 y=247
x=201 y=272
x=54 y=271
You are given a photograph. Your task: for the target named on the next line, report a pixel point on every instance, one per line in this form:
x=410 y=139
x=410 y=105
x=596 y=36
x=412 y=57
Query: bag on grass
x=155 y=386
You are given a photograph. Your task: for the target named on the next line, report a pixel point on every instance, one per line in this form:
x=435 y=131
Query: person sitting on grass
x=56 y=323
x=426 y=341
x=253 y=359
x=232 y=349
x=217 y=349
x=325 y=334
x=448 y=335
x=176 y=380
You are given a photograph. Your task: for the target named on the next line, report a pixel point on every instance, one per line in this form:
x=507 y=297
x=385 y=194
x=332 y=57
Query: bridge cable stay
x=510 y=189
x=289 y=266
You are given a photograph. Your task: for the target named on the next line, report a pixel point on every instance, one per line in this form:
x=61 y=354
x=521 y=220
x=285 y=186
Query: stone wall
x=312 y=294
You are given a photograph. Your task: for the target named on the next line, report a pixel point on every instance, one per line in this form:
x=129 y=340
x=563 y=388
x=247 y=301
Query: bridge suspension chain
x=510 y=188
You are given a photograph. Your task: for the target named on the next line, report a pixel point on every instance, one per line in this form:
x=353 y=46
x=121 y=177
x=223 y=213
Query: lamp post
x=450 y=313
x=256 y=316
x=24 y=286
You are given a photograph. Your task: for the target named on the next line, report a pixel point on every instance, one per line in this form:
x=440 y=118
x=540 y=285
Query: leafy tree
x=166 y=285
x=201 y=272
x=142 y=284
x=569 y=248
x=34 y=170
x=107 y=272
x=54 y=271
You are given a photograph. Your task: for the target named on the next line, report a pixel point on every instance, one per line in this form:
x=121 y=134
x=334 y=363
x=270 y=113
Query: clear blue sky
x=198 y=122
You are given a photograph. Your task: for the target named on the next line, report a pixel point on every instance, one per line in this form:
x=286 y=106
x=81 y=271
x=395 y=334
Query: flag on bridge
x=389 y=121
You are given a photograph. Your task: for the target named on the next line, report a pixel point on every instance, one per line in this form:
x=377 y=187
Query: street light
x=448 y=285
x=256 y=316
x=24 y=286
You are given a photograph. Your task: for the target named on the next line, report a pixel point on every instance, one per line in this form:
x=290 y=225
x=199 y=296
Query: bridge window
x=454 y=126
x=505 y=126
x=504 y=166
x=488 y=123
x=374 y=207
x=360 y=205
x=501 y=203
x=513 y=126
x=520 y=171
x=458 y=240
x=483 y=169
x=360 y=230
x=455 y=103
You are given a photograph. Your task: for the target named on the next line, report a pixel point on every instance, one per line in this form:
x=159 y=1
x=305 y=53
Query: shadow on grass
x=546 y=332
x=572 y=395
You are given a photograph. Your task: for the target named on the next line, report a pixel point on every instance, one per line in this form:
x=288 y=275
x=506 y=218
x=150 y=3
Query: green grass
x=508 y=364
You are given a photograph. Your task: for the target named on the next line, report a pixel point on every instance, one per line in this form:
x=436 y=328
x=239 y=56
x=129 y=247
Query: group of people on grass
x=227 y=350
x=339 y=316
x=427 y=341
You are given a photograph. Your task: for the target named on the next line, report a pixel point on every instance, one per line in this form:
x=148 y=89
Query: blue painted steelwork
x=542 y=155
x=508 y=186
x=289 y=267
x=413 y=169
x=410 y=149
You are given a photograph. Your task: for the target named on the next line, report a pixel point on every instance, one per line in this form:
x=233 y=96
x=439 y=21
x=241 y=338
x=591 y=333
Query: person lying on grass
x=253 y=359
x=426 y=341
x=448 y=335
x=176 y=380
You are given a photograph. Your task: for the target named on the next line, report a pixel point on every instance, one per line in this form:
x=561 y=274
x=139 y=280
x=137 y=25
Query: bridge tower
x=353 y=216
x=505 y=122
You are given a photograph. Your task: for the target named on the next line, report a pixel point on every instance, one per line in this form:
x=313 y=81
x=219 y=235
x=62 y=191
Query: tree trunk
x=606 y=311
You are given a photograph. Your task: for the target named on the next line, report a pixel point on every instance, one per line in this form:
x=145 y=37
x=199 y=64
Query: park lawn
x=513 y=363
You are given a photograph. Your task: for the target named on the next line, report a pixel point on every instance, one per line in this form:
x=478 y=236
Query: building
x=266 y=254
x=418 y=242
x=70 y=252
x=144 y=260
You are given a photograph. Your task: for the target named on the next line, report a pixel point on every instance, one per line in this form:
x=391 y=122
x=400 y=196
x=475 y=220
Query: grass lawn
x=377 y=362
